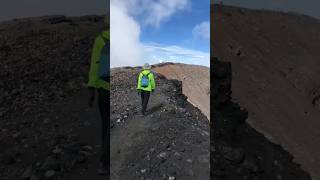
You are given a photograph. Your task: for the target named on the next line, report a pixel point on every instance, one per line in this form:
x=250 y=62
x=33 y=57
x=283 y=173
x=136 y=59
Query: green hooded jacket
x=152 y=84
x=94 y=80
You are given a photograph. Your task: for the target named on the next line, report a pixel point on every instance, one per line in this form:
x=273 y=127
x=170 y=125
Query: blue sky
x=160 y=31
x=178 y=30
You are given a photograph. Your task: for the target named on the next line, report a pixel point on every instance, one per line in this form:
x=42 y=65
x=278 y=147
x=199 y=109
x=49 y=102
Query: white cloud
x=161 y=11
x=154 y=12
x=125 y=49
x=202 y=30
x=161 y=53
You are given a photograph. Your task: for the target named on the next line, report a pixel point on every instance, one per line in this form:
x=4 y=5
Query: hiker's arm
x=93 y=73
x=93 y=76
x=139 y=82
x=153 y=83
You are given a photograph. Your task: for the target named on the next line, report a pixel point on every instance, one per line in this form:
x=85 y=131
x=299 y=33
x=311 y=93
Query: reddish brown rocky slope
x=276 y=75
x=195 y=82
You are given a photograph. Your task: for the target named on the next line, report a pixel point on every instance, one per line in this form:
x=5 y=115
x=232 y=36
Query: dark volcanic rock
x=44 y=62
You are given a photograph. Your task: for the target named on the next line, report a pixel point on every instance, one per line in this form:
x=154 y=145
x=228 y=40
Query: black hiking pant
x=104 y=108
x=144 y=101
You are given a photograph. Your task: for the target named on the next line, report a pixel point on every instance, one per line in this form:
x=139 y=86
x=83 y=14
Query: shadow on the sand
x=154 y=108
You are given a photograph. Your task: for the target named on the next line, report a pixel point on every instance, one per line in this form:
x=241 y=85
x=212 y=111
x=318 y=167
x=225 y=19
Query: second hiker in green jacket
x=99 y=81
x=146 y=85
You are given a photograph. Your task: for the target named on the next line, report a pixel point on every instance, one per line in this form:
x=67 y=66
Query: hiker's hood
x=106 y=34
x=145 y=71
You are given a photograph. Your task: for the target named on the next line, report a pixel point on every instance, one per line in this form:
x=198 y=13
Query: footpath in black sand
x=238 y=152
x=170 y=142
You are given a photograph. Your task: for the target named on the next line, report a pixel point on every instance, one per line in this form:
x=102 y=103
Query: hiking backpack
x=104 y=61
x=145 y=80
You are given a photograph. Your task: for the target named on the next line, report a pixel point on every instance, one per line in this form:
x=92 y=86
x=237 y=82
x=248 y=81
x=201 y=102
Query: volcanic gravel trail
x=170 y=142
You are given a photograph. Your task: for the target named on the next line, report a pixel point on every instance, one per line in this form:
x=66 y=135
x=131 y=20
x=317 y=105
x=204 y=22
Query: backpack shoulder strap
x=145 y=74
x=141 y=74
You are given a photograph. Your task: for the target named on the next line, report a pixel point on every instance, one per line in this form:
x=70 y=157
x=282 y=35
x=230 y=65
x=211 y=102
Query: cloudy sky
x=308 y=7
x=156 y=31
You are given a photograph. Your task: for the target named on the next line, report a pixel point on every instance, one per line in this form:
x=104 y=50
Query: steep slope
x=170 y=142
x=195 y=82
x=238 y=152
x=276 y=75
x=46 y=127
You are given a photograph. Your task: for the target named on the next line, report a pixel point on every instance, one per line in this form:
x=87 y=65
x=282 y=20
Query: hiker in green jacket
x=99 y=81
x=146 y=85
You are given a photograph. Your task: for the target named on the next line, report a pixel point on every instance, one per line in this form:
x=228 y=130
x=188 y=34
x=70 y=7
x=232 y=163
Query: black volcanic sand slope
x=237 y=150
x=47 y=130
x=170 y=142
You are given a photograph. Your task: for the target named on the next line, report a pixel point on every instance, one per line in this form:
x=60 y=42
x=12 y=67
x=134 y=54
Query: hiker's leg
x=107 y=129
x=143 y=98
x=146 y=99
x=104 y=112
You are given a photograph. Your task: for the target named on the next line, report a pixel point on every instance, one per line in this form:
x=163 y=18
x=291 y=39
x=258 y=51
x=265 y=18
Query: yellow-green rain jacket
x=94 y=80
x=152 y=84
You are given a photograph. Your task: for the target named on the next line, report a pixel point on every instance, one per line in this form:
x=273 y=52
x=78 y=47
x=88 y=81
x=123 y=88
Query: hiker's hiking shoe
x=144 y=113
x=102 y=171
